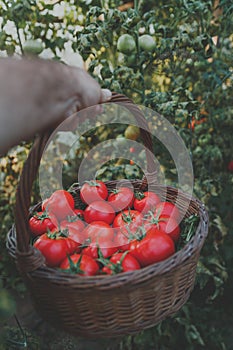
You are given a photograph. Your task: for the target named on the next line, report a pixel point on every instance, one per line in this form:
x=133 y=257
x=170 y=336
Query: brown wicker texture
x=106 y=306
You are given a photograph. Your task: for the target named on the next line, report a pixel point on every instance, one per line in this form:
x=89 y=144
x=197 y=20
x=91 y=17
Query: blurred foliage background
x=185 y=75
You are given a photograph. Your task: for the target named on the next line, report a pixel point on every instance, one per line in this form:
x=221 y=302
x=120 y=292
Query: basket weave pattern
x=106 y=306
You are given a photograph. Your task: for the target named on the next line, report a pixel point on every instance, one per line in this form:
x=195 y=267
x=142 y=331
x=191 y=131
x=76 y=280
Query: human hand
x=39 y=94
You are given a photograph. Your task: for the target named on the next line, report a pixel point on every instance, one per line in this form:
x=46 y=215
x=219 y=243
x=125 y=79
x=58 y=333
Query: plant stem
x=18 y=35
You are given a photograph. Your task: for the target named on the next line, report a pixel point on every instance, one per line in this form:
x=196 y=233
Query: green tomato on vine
x=126 y=44
x=147 y=43
x=33 y=47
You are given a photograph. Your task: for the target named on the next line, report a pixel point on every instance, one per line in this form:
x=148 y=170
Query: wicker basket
x=106 y=306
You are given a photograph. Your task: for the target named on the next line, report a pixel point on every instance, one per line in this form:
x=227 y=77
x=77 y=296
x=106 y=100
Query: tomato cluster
x=118 y=230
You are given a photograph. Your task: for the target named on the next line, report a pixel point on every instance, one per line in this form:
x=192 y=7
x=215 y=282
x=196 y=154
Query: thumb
x=105 y=95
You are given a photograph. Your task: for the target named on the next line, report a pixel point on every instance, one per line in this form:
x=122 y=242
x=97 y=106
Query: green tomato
x=146 y=43
x=131 y=60
x=132 y=132
x=33 y=47
x=126 y=44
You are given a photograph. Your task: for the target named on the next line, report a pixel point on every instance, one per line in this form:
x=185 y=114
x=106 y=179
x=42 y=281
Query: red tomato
x=124 y=236
x=98 y=229
x=106 y=248
x=60 y=204
x=73 y=221
x=54 y=247
x=99 y=211
x=92 y=191
x=166 y=224
x=74 y=243
x=80 y=264
x=167 y=209
x=132 y=219
x=121 y=198
x=79 y=213
x=41 y=223
x=122 y=241
x=121 y=262
x=75 y=230
x=145 y=201
x=230 y=166
x=170 y=227
x=154 y=247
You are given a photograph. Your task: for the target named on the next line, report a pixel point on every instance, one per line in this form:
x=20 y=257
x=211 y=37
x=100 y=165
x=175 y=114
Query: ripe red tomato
x=146 y=201
x=230 y=166
x=170 y=227
x=92 y=191
x=99 y=211
x=54 y=247
x=167 y=209
x=75 y=230
x=132 y=219
x=79 y=214
x=60 y=204
x=102 y=247
x=122 y=240
x=98 y=229
x=41 y=223
x=166 y=224
x=121 y=198
x=154 y=247
x=121 y=262
x=73 y=221
x=80 y=264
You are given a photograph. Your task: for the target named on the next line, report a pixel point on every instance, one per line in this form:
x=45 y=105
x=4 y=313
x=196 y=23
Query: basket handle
x=31 y=166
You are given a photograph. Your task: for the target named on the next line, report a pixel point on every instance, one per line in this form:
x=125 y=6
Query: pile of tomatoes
x=117 y=231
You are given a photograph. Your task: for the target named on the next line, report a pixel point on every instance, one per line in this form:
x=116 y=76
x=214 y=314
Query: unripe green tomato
x=131 y=60
x=126 y=44
x=147 y=43
x=33 y=47
x=132 y=132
